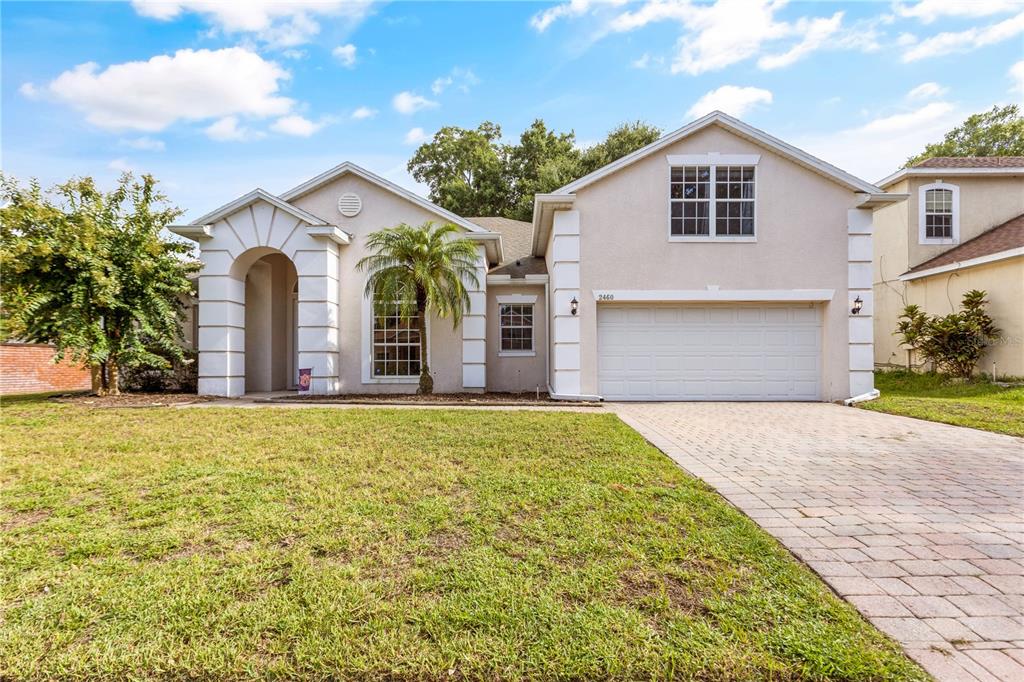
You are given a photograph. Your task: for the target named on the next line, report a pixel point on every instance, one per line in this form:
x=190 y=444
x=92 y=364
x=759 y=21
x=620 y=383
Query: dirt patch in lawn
x=132 y=399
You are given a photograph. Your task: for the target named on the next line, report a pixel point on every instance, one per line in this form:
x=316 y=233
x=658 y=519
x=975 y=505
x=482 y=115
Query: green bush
x=953 y=343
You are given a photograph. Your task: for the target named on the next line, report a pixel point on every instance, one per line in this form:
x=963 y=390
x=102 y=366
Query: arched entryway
x=270 y=324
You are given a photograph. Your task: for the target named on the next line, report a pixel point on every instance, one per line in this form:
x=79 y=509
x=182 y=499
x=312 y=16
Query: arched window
x=939 y=214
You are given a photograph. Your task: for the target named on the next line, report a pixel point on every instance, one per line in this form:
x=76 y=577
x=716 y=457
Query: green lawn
x=391 y=544
x=978 y=404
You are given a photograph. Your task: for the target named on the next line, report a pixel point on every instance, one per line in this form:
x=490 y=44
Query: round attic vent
x=349 y=205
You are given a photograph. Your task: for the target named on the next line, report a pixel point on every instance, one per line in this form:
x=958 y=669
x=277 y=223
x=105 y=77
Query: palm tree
x=420 y=270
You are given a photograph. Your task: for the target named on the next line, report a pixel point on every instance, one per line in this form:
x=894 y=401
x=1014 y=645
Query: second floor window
x=706 y=198
x=938 y=214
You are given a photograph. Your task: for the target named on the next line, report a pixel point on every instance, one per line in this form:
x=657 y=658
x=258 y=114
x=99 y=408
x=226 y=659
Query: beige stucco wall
x=985 y=202
x=1004 y=283
x=517 y=374
x=380 y=209
x=801 y=224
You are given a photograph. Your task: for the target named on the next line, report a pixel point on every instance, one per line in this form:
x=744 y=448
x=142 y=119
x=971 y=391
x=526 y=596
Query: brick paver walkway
x=919 y=525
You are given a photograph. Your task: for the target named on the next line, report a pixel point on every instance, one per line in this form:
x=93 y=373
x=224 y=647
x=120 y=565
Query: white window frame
x=713 y=160
x=367 y=364
x=922 y=231
x=519 y=299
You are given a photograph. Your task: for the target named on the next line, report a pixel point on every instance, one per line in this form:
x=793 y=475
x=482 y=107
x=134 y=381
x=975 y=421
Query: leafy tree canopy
x=88 y=272
x=472 y=172
x=997 y=132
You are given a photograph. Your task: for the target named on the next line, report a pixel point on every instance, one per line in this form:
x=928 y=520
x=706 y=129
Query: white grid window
x=734 y=201
x=702 y=197
x=691 y=205
x=396 y=344
x=516 y=327
x=938 y=214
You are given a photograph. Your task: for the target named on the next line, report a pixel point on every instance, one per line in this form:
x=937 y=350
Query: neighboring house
x=961 y=228
x=29 y=368
x=717 y=263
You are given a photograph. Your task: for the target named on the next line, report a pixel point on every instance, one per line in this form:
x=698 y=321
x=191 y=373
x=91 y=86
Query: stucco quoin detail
x=861 y=333
x=565 y=286
x=474 y=329
x=237 y=241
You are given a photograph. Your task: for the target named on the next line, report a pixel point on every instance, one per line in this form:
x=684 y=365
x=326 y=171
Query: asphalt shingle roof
x=516 y=244
x=972 y=162
x=1009 y=235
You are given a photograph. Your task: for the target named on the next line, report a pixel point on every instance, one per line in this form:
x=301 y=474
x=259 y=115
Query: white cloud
x=462 y=79
x=293 y=53
x=29 y=90
x=120 y=165
x=816 y=32
x=145 y=144
x=297 y=126
x=189 y=85
x=228 y=130
x=882 y=145
x=731 y=99
x=965 y=41
x=407 y=102
x=928 y=90
x=363 y=113
x=416 y=136
x=641 y=62
x=278 y=23
x=346 y=54
x=1016 y=72
x=542 y=20
x=930 y=10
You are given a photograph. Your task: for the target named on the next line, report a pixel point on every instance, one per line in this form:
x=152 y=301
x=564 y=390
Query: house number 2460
x=606 y=297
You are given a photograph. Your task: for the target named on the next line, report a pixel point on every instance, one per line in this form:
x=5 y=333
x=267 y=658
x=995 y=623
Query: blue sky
x=217 y=98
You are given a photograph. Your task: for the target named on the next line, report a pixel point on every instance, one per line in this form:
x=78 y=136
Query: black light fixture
x=857 y=305
x=574 y=306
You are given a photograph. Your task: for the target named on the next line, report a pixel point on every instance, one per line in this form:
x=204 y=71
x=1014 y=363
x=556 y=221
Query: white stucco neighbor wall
x=235 y=243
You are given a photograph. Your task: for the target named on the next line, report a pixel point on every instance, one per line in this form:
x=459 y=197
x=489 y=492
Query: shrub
x=953 y=343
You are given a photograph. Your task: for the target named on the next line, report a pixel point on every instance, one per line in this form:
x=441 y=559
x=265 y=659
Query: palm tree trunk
x=426 y=381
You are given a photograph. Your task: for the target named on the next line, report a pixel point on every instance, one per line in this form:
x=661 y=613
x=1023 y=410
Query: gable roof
x=251 y=198
x=349 y=167
x=1006 y=239
x=959 y=165
x=740 y=128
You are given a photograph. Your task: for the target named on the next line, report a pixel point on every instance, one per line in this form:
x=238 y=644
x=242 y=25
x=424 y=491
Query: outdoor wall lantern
x=574 y=306
x=857 y=305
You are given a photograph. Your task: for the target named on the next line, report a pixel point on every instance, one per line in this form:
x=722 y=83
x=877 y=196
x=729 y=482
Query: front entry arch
x=269 y=324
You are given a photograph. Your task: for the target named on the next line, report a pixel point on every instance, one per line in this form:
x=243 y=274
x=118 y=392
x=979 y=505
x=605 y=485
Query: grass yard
x=978 y=404
x=391 y=544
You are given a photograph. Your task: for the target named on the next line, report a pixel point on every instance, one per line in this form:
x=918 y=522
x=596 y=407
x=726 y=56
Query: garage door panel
x=709 y=352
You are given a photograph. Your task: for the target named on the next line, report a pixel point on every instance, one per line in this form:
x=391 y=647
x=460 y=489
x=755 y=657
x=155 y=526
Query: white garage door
x=709 y=352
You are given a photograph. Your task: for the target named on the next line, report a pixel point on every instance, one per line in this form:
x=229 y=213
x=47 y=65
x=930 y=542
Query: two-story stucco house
x=961 y=228
x=717 y=263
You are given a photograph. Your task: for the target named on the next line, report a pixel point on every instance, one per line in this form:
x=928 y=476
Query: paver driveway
x=920 y=525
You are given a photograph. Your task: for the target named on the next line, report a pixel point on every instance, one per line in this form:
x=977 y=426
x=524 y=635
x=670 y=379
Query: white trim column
x=221 y=342
x=318 y=337
x=861 y=332
x=565 y=286
x=474 y=329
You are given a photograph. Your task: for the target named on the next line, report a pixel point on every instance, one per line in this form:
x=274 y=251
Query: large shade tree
x=420 y=271
x=89 y=272
x=475 y=173
x=996 y=132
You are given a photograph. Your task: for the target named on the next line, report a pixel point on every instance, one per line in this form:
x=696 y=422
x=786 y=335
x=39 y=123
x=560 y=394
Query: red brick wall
x=29 y=368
